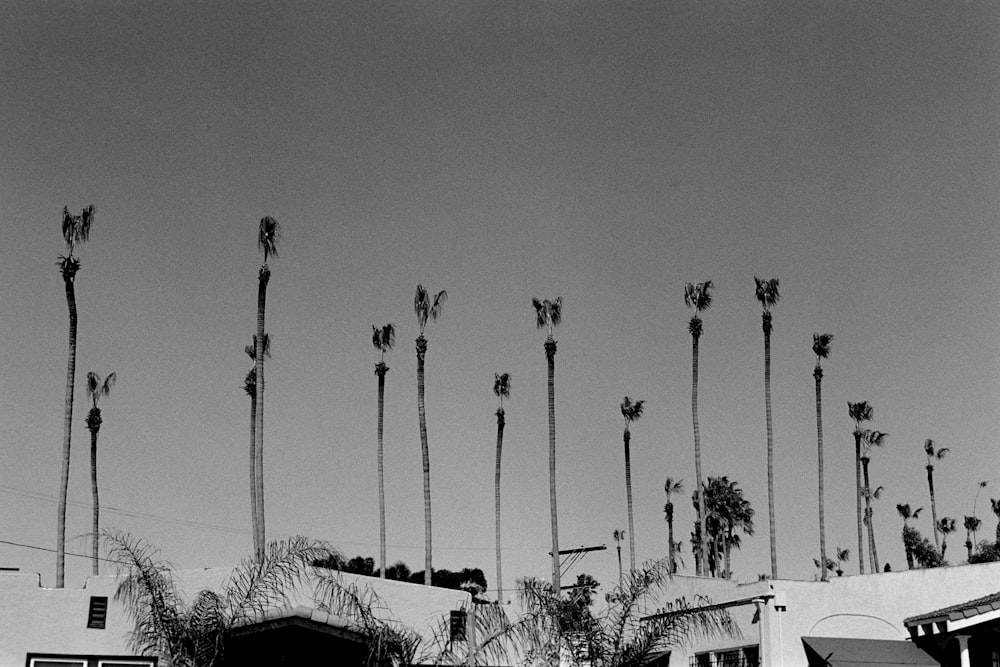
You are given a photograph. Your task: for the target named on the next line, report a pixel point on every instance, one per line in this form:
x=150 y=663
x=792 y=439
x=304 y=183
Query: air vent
x=98 y=614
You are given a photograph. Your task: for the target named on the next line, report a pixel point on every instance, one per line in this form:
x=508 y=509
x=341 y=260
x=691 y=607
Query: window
x=55 y=660
x=743 y=656
x=97 y=616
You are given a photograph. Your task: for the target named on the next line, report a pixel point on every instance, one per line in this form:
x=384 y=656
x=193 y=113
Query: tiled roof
x=957 y=612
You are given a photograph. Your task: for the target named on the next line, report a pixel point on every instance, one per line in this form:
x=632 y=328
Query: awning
x=848 y=652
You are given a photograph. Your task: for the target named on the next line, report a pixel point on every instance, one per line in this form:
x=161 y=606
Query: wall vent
x=98 y=614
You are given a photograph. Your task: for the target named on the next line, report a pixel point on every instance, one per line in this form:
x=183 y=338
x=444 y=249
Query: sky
x=607 y=153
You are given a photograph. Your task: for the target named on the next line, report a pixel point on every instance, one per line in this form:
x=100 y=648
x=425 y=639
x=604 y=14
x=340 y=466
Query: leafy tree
x=971 y=525
x=767 y=295
x=945 y=526
x=250 y=387
x=986 y=552
x=383 y=339
x=923 y=551
x=425 y=308
x=501 y=388
x=727 y=510
x=670 y=487
x=75 y=231
x=96 y=388
x=821 y=348
x=933 y=454
x=698 y=297
x=871 y=439
x=548 y=315
x=860 y=413
x=906 y=514
x=631 y=412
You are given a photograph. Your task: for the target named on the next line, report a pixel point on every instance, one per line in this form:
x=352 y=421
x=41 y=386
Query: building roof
x=957 y=612
x=845 y=652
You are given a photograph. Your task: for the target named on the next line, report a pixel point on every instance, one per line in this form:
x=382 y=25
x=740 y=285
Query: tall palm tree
x=932 y=455
x=548 y=315
x=501 y=388
x=618 y=536
x=971 y=525
x=872 y=439
x=698 y=297
x=631 y=412
x=425 y=308
x=96 y=388
x=906 y=514
x=250 y=387
x=670 y=487
x=268 y=233
x=995 y=506
x=946 y=525
x=859 y=412
x=767 y=295
x=383 y=339
x=728 y=510
x=75 y=230
x=821 y=348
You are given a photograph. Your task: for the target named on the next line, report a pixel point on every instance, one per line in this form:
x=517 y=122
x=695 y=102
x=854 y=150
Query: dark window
x=98 y=614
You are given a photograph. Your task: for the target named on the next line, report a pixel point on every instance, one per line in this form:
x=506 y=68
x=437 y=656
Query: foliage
x=986 y=552
x=501 y=386
x=426 y=308
x=267 y=237
x=383 y=339
x=924 y=553
x=726 y=510
x=471 y=580
x=632 y=411
x=766 y=292
x=548 y=314
x=821 y=345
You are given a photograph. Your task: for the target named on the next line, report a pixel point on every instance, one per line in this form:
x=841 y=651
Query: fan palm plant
x=843 y=556
x=250 y=387
x=933 y=454
x=425 y=309
x=670 y=487
x=995 y=506
x=971 y=525
x=767 y=294
x=821 y=348
x=860 y=413
x=96 y=389
x=906 y=514
x=946 y=526
x=618 y=536
x=383 y=339
x=75 y=231
x=872 y=439
x=501 y=389
x=268 y=234
x=698 y=297
x=631 y=411
x=548 y=315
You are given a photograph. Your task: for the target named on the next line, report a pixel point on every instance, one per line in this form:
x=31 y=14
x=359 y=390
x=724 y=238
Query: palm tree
x=843 y=555
x=872 y=439
x=250 y=387
x=618 y=536
x=268 y=234
x=548 y=315
x=728 y=510
x=946 y=525
x=932 y=455
x=96 y=388
x=671 y=487
x=859 y=412
x=425 y=308
x=906 y=514
x=383 y=339
x=821 y=348
x=75 y=230
x=631 y=412
x=501 y=388
x=697 y=297
x=872 y=494
x=767 y=295
x=995 y=506
x=971 y=525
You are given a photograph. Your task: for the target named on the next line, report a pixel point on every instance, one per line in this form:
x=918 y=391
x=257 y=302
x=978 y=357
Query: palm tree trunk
x=500 y=425
x=871 y=519
x=857 y=480
x=550 y=355
x=620 y=574
x=260 y=539
x=930 y=485
x=253 y=467
x=766 y=317
x=424 y=457
x=818 y=374
x=628 y=494
x=94 y=422
x=67 y=432
x=380 y=369
x=728 y=546
x=702 y=560
x=670 y=538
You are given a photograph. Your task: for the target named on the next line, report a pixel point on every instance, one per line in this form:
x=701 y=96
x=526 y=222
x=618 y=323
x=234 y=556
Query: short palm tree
x=860 y=413
x=971 y=525
x=96 y=389
x=425 y=309
x=631 y=411
x=821 y=348
x=548 y=315
x=250 y=387
x=906 y=514
x=268 y=233
x=618 y=536
x=75 y=231
x=698 y=297
x=872 y=439
x=383 y=339
x=767 y=295
x=933 y=454
x=670 y=487
x=501 y=389
x=995 y=506
x=843 y=555
x=946 y=526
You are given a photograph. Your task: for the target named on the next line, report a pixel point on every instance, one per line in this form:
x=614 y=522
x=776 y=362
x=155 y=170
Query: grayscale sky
x=603 y=152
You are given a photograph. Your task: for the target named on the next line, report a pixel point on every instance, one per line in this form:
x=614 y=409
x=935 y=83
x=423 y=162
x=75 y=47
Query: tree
x=383 y=339
x=859 y=412
x=631 y=412
x=618 y=536
x=945 y=526
x=843 y=555
x=831 y=566
x=904 y=511
x=767 y=295
x=268 y=233
x=924 y=553
x=995 y=506
x=670 y=487
x=96 y=388
x=250 y=387
x=932 y=455
x=548 y=315
x=727 y=510
x=425 y=308
x=971 y=525
x=698 y=297
x=75 y=231
x=871 y=439
x=821 y=348
x=501 y=388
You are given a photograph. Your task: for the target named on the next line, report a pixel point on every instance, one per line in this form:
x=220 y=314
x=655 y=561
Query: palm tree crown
x=426 y=308
x=632 y=411
x=501 y=387
x=267 y=237
x=767 y=292
x=96 y=388
x=548 y=314
x=932 y=453
x=821 y=345
x=383 y=339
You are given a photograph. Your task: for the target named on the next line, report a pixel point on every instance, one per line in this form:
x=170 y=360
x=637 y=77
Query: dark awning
x=848 y=652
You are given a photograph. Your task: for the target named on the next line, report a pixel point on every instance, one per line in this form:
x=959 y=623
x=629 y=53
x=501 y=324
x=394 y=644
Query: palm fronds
x=501 y=385
x=932 y=453
x=632 y=411
x=698 y=296
x=251 y=349
x=385 y=338
x=96 y=388
x=821 y=345
x=76 y=228
x=767 y=292
x=267 y=237
x=426 y=308
x=548 y=314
